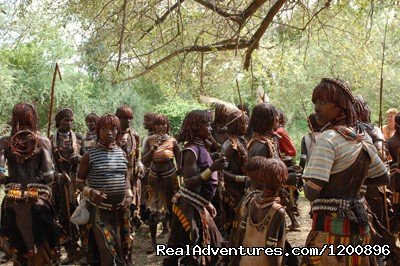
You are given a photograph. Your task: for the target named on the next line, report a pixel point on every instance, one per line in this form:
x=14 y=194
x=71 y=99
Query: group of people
x=228 y=179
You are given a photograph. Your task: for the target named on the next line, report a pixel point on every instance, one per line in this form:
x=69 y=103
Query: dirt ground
x=142 y=238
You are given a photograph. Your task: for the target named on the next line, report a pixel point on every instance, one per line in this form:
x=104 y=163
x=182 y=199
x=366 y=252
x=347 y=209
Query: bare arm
x=3 y=177
x=147 y=153
x=127 y=177
x=304 y=153
x=83 y=171
x=178 y=156
x=275 y=233
x=81 y=140
x=381 y=180
x=190 y=172
x=228 y=175
x=128 y=191
x=47 y=168
x=312 y=188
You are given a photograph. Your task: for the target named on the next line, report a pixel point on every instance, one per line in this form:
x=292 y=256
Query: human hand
x=97 y=196
x=211 y=209
x=140 y=170
x=218 y=164
x=126 y=203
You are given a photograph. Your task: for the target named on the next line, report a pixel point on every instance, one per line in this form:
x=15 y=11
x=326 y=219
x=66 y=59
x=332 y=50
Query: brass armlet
x=205 y=175
x=240 y=178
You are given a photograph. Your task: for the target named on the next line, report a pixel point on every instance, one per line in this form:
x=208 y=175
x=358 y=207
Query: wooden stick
x=56 y=70
x=381 y=119
x=240 y=99
x=68 y=206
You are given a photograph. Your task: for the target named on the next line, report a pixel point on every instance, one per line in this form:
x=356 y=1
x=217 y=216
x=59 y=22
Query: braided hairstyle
x=107 y=119
x=124 y=111
x=92 y=117
x=219 y=116
x=192 y=123
x=339 y=93
x=263 y=118
x=149 y=116
x=24 y=115
x=236 y=119
x=161 y=120
x=63 y=113
x=364 y=111
x=271 y=173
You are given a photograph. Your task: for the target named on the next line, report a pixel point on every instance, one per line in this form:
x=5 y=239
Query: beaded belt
x=338 y=226
x=15 y=191
x=193 y=197
x=163 y=175
x=104 y=206
x=341 y=206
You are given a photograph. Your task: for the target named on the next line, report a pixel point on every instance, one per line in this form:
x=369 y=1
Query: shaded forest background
x=160 y=55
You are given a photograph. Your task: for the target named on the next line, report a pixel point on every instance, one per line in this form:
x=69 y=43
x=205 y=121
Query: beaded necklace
x=108 y=147
x=23 y=147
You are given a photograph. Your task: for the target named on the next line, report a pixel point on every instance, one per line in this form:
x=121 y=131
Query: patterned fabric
x=319 y=239
x=115 y=229
x=333 y=153
x=337 y=226
x=109 y=239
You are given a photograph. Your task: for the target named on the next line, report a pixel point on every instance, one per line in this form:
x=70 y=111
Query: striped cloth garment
x=107 y=170
x=333 y=153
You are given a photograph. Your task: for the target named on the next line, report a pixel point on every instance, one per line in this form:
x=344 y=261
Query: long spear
x=53 y=83
x=380 y=115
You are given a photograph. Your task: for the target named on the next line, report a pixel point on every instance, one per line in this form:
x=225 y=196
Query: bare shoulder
x=79 y=136
x=44 y=142
x=189 y=155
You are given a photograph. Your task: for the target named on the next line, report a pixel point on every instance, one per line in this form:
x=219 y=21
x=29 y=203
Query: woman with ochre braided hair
x=160 y=151
x=103 y=177
x=343 y=158
x=191 y=221
x=29 y=231
x=235 y=151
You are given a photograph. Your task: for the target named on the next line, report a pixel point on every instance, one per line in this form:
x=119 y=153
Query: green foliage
x=176 y=109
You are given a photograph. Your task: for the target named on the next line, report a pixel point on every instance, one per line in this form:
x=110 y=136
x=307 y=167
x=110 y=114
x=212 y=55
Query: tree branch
x=219 y=11
x=255 y=40
x=162 y=18
x=195 y=48
x=251 y=9
x=121 y=37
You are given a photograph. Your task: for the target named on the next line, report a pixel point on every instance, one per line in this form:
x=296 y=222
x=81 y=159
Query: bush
x=176 y=109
